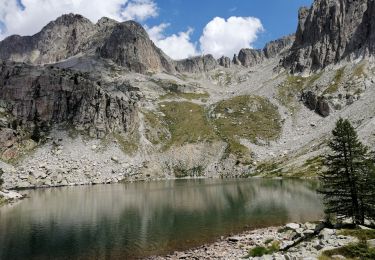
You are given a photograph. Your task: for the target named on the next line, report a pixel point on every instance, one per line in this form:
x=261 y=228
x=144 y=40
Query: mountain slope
x=109 y=105
x=332 y=31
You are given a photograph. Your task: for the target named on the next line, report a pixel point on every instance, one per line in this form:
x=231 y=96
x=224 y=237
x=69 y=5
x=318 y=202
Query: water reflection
x=134 y=220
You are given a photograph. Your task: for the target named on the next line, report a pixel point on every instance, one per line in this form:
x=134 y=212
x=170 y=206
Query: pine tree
x=346 y=184
x=367 y=190
x=1 y=175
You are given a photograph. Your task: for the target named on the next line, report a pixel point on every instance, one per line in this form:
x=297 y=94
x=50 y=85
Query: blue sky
x=279 y=17
x=181 y=28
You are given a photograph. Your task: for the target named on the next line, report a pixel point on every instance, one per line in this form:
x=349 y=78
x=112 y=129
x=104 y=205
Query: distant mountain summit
x=127 y=44
x=331 y=31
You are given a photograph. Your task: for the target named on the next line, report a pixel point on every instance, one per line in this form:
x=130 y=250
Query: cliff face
x=44 y=96
x=60 y=39
x=331 y=31
x=252 y=57
x=127 y=44
x=197 y=64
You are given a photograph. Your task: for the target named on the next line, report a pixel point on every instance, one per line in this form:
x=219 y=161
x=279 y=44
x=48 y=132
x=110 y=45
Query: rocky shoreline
x=9 y=197
x=290 y=242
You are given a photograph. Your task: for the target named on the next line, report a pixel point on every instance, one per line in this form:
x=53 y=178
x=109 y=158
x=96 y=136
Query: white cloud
x=220 y=36
x=140 y=10
x=37 y=13
x=227 y=37
x=176 y=46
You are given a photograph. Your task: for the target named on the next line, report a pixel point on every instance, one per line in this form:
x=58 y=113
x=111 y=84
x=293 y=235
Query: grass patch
x=359 y=251
x=261 y=250
x=311 y=168
x=128 y=142
x=289 y=90
x=361 y=234
x=249 y=117
x=188 y=96
x=337 y=79
x=359 y=70
x=3 y=201
x=156 y=130
x=187 y=123
x=224 y=78
x=269 y=168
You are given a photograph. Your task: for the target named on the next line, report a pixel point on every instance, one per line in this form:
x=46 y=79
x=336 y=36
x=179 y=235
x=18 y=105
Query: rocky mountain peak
x=331 y=31
x=68 y=19
x=129 y=45
x=106 y=22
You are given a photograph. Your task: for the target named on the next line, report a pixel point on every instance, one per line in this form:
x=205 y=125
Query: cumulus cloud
x=220 y=36
x=140 y=10
x=34 y=14
x=227 y=37
x=176 y=46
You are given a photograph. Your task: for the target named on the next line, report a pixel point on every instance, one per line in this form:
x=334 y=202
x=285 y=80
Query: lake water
x=125 y=221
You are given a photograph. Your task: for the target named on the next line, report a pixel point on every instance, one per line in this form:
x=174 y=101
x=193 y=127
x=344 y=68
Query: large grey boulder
x=319 y=104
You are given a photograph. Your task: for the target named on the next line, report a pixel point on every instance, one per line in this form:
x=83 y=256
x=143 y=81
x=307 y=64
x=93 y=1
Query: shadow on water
x=140 y=219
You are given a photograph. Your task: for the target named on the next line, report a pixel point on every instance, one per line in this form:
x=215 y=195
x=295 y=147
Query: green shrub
x=261 y=250
x=353 y=251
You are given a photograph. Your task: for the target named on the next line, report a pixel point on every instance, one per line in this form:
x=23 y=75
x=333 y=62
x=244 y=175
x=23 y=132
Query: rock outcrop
x=316 y=103
x=252 y=57
x=225 y=62
x=332 y=31
x=60 y=39
x=127 y=44
x=45 y=95
x=197 y=64
x=275 y=48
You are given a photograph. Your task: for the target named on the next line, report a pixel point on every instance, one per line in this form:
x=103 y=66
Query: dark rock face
x=58 y=40
x=235 y=60
x=315 y=103
x=129 y=46
x=197 y=64
x=274 y=48
x=252 y=57
x=331 y=31
x=40 y=95
x=224 y=62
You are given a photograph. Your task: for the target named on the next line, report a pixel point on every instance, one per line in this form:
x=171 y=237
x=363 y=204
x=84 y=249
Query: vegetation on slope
x=288 y=91
x=337 y=79
x=155 y=129
x=183 y=95
x=360 y=251
x=187 y=123
x=246 y=117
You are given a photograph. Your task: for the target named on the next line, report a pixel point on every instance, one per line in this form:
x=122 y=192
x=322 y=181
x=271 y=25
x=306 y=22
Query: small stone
x=292 y=226
x=234 y=239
